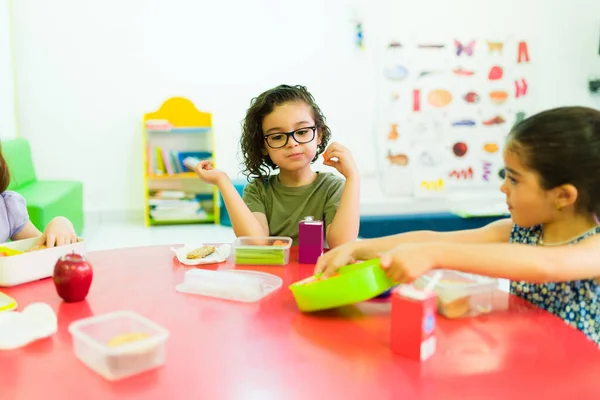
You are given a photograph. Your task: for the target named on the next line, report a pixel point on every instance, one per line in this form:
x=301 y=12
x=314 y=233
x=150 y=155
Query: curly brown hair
x=256 y=164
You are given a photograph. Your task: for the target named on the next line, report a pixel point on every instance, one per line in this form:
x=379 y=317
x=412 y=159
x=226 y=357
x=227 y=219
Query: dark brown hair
x=4 y=173
x=255 y=163
x=563 y=146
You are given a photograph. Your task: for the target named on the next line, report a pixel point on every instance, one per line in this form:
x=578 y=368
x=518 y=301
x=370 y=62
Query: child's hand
x=407 y=262
x=208 y=174
x=58 y=232
x=345 y=162
x=328 y=264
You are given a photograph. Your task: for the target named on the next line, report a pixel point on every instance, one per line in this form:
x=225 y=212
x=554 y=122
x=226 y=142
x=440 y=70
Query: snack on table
x=36 y=248
x=460 y=295
x=39 y=247
x=267 y=250
x=454 y=308
x=254 y=256
x=201 y=252
x=124 y=338
x=7 y=252
x=133 y=359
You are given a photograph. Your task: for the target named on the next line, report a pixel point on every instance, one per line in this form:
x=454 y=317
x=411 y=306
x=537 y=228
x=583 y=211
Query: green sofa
x=45 y=199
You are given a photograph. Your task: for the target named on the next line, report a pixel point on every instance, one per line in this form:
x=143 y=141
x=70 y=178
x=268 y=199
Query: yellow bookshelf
x=172 y=193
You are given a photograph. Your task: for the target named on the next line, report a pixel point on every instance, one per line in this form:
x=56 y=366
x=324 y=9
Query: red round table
x=269 y=350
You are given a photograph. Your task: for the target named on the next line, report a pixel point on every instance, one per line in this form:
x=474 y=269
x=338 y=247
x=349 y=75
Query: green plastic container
x=354 y=283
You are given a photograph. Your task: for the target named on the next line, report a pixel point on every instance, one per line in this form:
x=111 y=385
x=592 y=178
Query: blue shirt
x=13 y=215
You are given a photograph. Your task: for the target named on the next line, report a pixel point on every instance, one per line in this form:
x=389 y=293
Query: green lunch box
x=353 y=284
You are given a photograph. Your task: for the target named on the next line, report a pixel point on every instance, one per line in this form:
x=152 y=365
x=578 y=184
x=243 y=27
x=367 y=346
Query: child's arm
x=344 y=226
x=27 y=232
x=243 y=221
x=509 y=261
x=495 y=232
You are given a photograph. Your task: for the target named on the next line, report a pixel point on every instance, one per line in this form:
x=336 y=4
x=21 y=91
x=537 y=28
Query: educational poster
x=445 y=108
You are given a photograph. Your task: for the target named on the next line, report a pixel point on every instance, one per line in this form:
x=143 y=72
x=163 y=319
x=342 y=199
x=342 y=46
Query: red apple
x=72 y=277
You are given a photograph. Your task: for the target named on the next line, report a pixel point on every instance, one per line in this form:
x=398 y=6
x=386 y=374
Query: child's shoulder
x=13 y=200
x=260 y=186
x=261 y=183
x=13 y=209
x=331 y=177
x=327 y=179
x=14 y=205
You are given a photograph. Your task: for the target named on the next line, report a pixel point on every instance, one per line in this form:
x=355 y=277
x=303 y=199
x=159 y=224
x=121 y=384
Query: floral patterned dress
x=576 y=302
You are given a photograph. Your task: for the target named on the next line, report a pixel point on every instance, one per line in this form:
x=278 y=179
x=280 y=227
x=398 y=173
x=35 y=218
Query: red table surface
x=269 y=350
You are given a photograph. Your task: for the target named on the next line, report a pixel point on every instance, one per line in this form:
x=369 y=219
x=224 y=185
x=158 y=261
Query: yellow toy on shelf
x=173 y=193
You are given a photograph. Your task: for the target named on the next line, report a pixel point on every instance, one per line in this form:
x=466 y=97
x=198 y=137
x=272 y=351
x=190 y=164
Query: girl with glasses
x=285 y=130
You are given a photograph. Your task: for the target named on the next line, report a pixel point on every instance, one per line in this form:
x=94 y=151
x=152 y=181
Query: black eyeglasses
x=280 y=139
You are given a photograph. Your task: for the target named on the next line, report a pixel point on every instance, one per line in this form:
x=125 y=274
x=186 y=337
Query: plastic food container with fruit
x=271 y=250
x=460 y=294
x=21 y=261
x=119 y=344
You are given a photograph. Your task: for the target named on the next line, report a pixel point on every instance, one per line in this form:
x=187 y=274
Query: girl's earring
x=558 y=207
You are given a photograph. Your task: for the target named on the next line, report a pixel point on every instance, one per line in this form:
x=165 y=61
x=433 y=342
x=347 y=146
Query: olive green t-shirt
x=286 y=206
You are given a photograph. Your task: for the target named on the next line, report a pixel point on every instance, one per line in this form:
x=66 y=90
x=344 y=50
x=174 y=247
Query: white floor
x=118 y=234
x=104 y=235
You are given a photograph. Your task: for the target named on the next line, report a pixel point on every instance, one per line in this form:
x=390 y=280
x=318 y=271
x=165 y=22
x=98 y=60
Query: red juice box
x=310 y=240
x=413 y=322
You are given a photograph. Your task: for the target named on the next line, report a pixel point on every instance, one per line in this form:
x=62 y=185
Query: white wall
x=87 y=71
x=8 y=123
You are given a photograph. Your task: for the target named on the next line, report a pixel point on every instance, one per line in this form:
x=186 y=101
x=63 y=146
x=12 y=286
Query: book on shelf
x=178 y=215
x=164 y=126
x=176 y=206
x=158 y=125
x=170 y=162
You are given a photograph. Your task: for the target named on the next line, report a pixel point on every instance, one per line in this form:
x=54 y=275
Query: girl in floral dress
x=549 y=248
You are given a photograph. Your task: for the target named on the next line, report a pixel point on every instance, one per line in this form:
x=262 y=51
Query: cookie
x=126 y=338
x=454 y=308
x=200 y=252
x=36 y=248
x=140 y=358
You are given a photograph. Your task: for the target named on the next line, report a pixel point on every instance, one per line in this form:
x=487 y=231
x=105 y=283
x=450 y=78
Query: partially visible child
x=284 y=129
x=549 y=248
x=15 y=223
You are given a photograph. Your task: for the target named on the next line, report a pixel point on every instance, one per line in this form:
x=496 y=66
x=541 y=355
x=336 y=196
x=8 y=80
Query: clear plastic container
x=462 y=295
x=119 y=344
x=244 y=286
x=33 y=265
x=271 y=250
